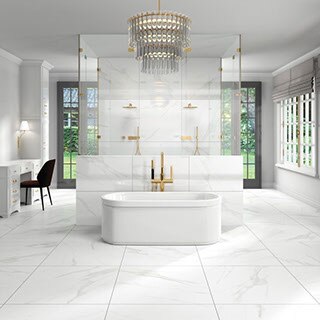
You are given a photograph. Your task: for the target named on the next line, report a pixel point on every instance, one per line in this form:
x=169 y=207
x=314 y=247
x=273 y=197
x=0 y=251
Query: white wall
x=53 y=112
x=9 y=105
x=267 y=127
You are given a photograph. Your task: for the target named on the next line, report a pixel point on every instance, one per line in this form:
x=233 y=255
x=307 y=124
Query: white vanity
x=11 y=174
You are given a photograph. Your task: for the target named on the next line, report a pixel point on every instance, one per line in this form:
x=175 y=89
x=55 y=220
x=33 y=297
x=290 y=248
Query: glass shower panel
x=190 y=112
x=231 y=98
x=119 y=108
x=201 y=106
x=88 y=99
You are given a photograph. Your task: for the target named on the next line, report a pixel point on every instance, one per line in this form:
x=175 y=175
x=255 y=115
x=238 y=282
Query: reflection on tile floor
x=267 y=269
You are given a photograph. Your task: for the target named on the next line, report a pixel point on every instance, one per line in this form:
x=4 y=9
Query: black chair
x=44 y=178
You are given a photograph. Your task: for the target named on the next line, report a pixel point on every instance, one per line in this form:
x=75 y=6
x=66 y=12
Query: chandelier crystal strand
x=159 y=40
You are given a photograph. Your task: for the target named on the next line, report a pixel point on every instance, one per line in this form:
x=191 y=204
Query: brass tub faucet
x=162 y=180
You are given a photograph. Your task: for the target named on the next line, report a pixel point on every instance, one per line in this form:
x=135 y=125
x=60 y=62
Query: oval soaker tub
x=161 y=218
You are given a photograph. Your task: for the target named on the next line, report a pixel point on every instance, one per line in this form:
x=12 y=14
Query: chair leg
x=26 y=202
x=41 y=193
x=49 y=195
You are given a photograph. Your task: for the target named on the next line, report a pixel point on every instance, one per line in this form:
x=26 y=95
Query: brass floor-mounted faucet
x=162 y=180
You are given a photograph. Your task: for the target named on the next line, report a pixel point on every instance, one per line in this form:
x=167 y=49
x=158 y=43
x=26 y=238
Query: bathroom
x=159 y=160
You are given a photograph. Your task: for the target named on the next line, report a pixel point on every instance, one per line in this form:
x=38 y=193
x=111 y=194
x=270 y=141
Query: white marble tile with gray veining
x=269 y=312
x=104 y=173
x=85 y=247
x=216 y=173
x=238 y=246
x=161 y=256
x=255 y=285
x=10 y=280
x=53 y=312
x=161 y=312
x=67 y=285
x=161 y=285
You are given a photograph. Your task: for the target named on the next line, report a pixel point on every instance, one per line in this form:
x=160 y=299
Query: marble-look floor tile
x=311 y=223
x=277 y=232
x=293 y=207
x=269 y=312
x=53 y=312
x=296 y=252
x=255 y=285
x=163 y=312
x=85 y=246
x=4 y=228
x=309 y=278
x=161 y=285
x=256 y=210
x=31 y=252
x=237 y=247
x=161 y=256
x=10 y=280
x=67 y=285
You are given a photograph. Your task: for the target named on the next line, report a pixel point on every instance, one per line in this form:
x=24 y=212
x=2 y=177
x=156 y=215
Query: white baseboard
x=298 y=196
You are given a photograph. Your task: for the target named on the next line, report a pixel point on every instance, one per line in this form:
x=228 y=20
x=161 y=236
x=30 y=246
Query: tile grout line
x=283 y=265
x=115 y=282
x=290 y=217
x=19 y=225
x=205 y=276
x=37 y=267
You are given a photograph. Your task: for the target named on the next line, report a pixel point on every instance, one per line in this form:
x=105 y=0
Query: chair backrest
x=45 y=174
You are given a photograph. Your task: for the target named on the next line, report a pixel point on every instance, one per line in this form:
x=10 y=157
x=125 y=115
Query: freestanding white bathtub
x=161 y=218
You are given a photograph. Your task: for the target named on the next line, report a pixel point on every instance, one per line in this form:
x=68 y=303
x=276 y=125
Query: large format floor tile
x=163 y=312
x=255 y=285
x=10 y=280
x=269 y=312
x=67 y=285
x=237 y=247
x=24 y=252
x=161 y=256
x=309 y=278
x=85 y=246
x=278 y=233
x=56 y=312
x=161 y=285
x=296 y=252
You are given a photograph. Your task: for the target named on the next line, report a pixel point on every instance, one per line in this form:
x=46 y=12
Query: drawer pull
x=14 y=201
x=14 y=191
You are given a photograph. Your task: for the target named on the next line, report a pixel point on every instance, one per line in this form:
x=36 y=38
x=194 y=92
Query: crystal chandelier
x=159 y=40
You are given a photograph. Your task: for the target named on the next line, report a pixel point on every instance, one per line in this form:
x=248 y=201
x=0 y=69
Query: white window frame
x=297 y=129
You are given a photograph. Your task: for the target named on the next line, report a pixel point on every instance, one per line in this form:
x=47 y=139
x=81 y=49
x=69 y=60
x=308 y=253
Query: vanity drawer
x=14 y=170
x=14 y=180
x=26 y=167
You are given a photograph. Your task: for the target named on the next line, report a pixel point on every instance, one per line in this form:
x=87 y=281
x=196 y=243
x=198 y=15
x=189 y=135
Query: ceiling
x=274 y=32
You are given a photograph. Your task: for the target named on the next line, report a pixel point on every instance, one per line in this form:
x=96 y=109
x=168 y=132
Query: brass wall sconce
x=24 y=127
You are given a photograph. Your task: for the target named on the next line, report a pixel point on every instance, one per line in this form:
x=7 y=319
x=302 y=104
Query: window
x=298 y=133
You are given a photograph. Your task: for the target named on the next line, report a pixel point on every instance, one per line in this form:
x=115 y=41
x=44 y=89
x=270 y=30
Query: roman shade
x=295 y=81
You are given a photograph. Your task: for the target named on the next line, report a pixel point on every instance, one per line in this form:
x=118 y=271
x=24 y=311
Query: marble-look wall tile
x=142 y=172
x=104 y=173
x=216 y=173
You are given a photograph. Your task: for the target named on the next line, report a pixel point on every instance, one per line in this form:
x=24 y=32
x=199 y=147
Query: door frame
x=255 y=183
x=63 y=183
